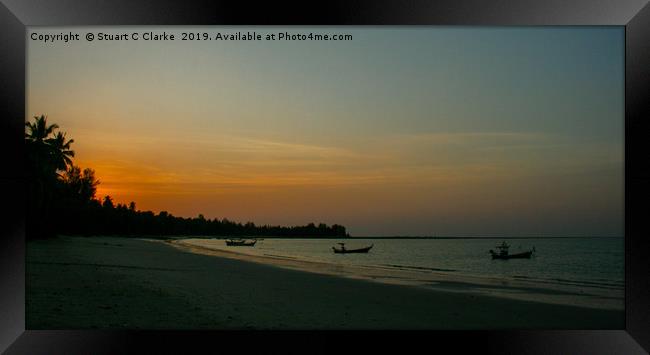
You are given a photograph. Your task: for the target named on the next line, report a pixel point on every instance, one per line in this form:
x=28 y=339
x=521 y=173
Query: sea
x=596 y=262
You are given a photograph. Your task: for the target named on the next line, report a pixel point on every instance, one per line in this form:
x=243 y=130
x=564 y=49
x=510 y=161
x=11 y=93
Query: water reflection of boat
x=343 y=250
x=504 y=254
x=238 y=242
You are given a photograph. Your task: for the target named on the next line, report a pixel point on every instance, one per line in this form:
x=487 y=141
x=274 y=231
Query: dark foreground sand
x=103 y=282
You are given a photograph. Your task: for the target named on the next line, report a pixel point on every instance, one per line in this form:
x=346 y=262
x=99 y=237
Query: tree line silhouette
x=61 y=200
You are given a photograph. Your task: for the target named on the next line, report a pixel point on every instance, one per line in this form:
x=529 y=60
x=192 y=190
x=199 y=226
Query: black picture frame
x=634 y=15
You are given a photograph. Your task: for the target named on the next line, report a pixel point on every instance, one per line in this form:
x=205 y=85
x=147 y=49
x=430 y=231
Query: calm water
x=596 y=262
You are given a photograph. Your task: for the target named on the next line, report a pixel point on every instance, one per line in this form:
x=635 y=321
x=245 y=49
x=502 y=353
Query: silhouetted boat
x=342 y=250
x=504 y=254
x=238 y=242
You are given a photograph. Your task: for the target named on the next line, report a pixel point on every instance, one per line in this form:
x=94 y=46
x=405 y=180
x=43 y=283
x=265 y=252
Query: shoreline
x=516 y=289
x=126 y=283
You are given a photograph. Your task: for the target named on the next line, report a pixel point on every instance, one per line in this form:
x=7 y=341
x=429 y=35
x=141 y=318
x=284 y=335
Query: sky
x=419 y=131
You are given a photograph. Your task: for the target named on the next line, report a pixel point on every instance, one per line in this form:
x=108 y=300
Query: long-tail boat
x=504 y=254
x=343 y=250
x=238 y=242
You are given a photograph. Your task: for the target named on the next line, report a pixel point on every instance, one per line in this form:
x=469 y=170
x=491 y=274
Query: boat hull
x=240 y=244
x=352 y=251
x=524 y=255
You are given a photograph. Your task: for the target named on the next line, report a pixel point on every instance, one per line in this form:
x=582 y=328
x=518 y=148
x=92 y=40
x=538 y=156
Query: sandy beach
x=128 y=283
x=492 y=285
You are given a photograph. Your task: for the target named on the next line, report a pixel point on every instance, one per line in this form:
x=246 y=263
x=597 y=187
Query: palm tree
x=60 y=152
x=46 y=153
x=39 y=130
x=37 y=148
